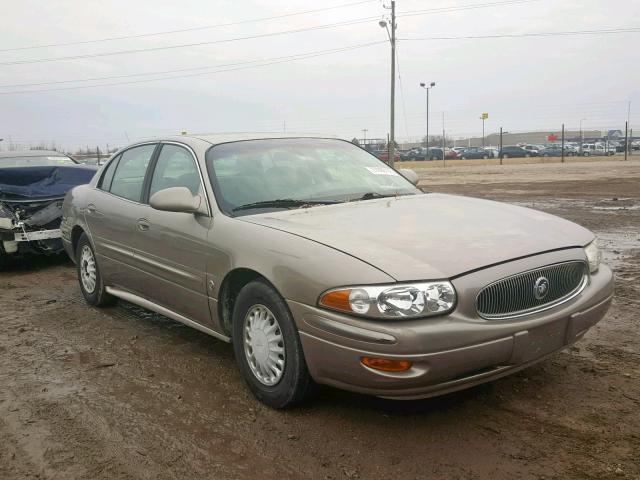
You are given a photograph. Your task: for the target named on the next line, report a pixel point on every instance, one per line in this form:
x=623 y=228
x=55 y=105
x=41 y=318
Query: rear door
x=171 y=247
x=113 y=209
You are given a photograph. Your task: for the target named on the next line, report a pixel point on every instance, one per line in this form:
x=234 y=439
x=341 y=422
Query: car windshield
x=254 y=176
x=35 y=161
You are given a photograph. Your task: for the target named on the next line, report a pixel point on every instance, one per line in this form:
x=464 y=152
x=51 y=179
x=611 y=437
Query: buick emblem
x=541 y=288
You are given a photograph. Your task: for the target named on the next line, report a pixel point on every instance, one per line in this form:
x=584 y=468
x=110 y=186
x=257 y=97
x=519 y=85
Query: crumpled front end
x=31 y=206
x=31 y=226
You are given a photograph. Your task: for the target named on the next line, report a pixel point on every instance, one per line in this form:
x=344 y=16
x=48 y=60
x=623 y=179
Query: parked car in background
x=436 y=154
x=593 y=149
x=274 y=245
x=555 y=150
x=474 y=153
x=458 y=149
x=514 y=151
x=384 y=155
x=533 y=149
x=495 y=152
x=32 y=186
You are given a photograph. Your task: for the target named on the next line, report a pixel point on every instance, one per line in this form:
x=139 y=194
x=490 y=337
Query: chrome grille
x=515 y=295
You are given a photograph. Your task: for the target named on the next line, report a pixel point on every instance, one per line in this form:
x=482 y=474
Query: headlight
x=392 y=301
x=593 y=255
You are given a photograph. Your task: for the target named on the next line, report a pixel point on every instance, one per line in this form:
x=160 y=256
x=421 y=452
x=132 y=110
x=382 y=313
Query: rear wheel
x=89 y=276
x=267 y=347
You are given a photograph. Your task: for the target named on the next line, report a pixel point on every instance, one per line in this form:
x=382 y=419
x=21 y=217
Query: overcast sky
x=523 y=83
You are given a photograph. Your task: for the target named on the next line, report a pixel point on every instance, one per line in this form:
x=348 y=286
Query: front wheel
x=91 y=283
x=267 y=347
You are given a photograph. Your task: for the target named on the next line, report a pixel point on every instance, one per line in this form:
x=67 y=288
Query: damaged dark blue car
x=32 y=187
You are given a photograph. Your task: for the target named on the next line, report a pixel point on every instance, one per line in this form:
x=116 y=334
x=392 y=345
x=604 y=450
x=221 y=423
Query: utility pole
x=562 y=147
x=364 y=140
x=393 y=83
x=443 y=142
x=500 y=151
x=392 y=38
x=626 y=139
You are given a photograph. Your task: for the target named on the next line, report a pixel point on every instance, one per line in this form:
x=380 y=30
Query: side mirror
x=410 y=175
x=177 y=199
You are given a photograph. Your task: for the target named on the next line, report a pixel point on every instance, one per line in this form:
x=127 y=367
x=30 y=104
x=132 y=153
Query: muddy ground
x=120 y=393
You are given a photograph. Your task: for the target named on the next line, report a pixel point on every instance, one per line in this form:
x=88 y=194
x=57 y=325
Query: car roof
x=32 y=153
x=217 y=138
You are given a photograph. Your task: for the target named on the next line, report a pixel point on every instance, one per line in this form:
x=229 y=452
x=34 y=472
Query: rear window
x=36 y=161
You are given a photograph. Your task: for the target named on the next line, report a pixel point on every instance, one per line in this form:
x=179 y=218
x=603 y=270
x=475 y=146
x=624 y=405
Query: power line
x=184 y=30
x=354 y=21
x=238 y=66
x=196 y=44
x=533 y=34
x=458 y=8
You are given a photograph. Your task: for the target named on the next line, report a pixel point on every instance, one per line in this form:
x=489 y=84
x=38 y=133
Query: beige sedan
x=322 y=265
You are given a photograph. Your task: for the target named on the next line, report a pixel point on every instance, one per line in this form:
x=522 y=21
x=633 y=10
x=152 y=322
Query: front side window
x=253 y=176
x=107 y=177
x=175 y=167
x=129 y=175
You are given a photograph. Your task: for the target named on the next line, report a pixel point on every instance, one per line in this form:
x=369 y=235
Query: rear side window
x=175 y=167
x=130 y=172
x=107 y=177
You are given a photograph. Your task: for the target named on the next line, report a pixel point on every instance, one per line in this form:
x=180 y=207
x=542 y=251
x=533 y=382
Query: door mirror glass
x=177 y=199
x=410 y=175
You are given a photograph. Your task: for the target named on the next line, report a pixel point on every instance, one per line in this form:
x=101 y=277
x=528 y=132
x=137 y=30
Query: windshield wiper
x=372 y=195
x=283 y=203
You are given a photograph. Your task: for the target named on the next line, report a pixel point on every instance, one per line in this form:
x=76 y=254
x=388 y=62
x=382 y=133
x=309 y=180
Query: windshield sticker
x=382 y=171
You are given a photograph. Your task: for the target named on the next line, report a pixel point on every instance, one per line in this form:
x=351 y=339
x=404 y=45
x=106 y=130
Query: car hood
x=430 y=236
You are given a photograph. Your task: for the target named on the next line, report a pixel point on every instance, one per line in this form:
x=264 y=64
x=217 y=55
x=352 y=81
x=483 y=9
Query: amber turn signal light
x=337 y=299
x=386 y=365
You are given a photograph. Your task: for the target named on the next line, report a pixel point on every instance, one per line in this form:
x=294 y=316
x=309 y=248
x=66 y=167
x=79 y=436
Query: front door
x=113 y=209
x=171 y=247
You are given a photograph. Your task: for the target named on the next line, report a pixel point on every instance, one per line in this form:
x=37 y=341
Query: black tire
x=99 y=296
x=295 y=384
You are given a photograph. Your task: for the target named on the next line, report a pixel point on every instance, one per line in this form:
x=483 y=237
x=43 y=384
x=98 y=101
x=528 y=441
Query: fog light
x=386 y=365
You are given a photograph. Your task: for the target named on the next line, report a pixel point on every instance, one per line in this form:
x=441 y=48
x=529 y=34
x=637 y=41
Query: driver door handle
x=91 y=208
x=143 y=224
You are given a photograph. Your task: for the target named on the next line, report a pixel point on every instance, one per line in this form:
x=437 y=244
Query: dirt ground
x=124 y=394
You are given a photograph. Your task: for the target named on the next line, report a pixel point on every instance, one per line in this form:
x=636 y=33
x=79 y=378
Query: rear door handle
x=91 y=208
x=143 y=224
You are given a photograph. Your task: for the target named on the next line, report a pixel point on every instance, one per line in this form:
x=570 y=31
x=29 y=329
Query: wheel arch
x=76 y=233
x=234 y=281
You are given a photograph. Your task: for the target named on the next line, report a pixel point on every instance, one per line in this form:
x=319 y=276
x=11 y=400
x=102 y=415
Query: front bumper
x=451 y=352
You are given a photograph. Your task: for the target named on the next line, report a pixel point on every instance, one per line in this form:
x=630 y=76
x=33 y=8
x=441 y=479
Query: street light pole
x=581 y=136
x=392 y=39
x=427 y=88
